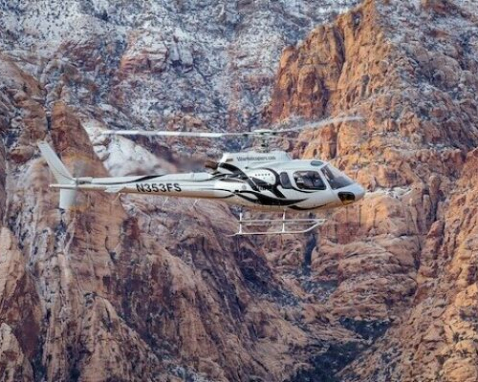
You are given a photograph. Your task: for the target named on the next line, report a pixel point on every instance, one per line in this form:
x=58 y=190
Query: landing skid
x=309 y=224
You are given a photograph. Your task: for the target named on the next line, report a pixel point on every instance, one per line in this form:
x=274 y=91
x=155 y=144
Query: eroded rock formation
x=134 y=289
x=399 y=258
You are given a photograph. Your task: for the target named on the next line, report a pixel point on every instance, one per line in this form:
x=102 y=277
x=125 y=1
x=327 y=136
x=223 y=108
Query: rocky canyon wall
x=405 y=257
x=134 y=289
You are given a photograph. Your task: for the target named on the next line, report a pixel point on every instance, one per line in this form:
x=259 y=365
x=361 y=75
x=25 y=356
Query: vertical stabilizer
x=67 y=199
x=61 y=174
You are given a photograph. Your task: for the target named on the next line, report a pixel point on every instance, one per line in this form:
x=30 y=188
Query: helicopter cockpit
x=309 y=180
x=317 y=179
x=335 y=178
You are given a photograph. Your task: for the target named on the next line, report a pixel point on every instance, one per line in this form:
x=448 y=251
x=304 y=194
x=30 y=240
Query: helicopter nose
x=351 y=194
x=359 y=192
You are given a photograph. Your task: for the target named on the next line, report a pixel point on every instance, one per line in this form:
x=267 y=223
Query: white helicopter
x=265 y=180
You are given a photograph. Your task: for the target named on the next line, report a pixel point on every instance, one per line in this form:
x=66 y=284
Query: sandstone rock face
x=134 y=289
x=436 y=338
x=147 y=64
x=14 y=366
x=397 y=260
x=19 y=313
x=131 y=289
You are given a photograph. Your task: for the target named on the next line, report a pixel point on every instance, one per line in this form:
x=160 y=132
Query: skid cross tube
x=309 y=223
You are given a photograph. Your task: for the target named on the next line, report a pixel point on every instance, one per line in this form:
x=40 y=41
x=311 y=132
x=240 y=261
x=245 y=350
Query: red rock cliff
x=131 y=289
x=404 y=257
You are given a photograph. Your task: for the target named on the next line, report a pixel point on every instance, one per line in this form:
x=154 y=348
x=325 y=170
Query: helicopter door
x=309 y=180
x=312 y=183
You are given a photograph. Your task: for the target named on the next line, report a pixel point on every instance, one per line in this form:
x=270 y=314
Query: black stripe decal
x=259 y=198
x=236 y=171
x=275 y=189
x=306 y=209
x=269 y=201
x=141 y=179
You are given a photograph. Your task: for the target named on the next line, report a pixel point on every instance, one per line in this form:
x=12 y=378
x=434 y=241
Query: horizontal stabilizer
x=114 y=190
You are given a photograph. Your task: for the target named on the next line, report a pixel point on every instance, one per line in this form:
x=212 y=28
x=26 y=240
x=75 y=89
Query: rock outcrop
x=398 y=260
x=102 y=298
x=19 y=313
x=14 y=366
x=134 y=289
x=436 y=339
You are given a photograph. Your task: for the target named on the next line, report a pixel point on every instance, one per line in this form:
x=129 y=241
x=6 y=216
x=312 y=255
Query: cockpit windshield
x=335 y=178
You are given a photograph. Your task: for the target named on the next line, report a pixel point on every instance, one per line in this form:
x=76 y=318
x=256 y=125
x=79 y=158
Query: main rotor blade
x=325 y=122
x=174 y=133
x=258 y=132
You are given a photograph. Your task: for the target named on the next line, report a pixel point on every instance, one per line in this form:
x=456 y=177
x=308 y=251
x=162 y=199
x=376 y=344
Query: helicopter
x=261 y=180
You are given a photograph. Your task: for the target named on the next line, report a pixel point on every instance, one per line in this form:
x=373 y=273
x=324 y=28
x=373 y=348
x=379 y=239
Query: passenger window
x=309 y=180
x=284 y=180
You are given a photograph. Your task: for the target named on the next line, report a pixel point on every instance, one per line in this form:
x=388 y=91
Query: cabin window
x=309 y=180
x=335 y=178
x=284 y=180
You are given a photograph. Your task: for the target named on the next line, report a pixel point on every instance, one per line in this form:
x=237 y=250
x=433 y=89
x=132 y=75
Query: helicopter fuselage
x=262 y=181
